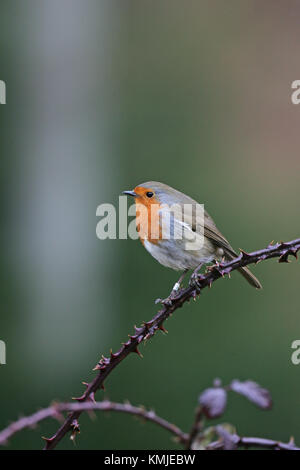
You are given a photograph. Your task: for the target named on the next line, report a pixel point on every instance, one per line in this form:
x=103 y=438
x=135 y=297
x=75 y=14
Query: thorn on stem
x=48 y=440
x=284 y=258
x=294 y=252
x=245 y=255
x=162 y=328
x=137 y=352
x=82 y=398
x=113 y=355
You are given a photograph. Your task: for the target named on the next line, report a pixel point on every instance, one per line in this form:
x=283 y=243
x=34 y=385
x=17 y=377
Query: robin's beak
x=130 y=193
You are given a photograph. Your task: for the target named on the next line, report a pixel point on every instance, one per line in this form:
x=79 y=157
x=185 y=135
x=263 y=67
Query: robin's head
x=144 y=194
x=153 y=192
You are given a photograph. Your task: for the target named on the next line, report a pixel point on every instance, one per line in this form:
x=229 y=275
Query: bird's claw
x=195 y=281
x=168 y=302
x=175 y=291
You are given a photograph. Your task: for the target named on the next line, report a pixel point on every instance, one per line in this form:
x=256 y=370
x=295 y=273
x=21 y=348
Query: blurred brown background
x=103 y=95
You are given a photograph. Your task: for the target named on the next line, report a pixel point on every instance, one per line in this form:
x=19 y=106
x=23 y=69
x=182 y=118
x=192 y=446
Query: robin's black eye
x=149 y=194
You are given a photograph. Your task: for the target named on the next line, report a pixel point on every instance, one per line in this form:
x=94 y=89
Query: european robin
x=153 y=218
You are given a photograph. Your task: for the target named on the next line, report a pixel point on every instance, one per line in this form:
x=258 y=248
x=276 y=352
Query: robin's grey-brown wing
x=169 y=195
x=213 y=234
x=184 y=206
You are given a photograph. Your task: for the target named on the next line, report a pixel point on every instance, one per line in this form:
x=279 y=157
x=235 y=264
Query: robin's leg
x=174 y=291
x=194 y=279
x=177 y=284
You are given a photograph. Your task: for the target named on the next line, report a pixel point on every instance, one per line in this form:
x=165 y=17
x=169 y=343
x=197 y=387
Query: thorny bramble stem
x=196 y=428
x=55 y=410
x=245 y=442
x=107 y=364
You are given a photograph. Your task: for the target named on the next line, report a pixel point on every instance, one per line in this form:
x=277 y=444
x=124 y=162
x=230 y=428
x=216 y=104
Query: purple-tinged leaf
x=254 y=392
x=230 y=441
x=213 y=402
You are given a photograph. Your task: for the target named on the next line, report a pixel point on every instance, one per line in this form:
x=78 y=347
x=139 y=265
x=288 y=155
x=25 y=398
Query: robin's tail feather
x=245 y=272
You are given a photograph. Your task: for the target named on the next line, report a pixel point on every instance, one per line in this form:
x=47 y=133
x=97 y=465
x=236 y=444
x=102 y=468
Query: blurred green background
x=103 y=95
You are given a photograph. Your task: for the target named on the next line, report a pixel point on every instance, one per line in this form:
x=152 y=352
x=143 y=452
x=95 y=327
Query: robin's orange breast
x=148 y=220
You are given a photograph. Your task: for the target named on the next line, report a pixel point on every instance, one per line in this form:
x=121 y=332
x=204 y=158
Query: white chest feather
x=172 y=255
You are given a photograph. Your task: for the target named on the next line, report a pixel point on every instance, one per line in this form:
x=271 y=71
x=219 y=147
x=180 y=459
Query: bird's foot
x=176 y=288
x=168 y=302
x=195 y=279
